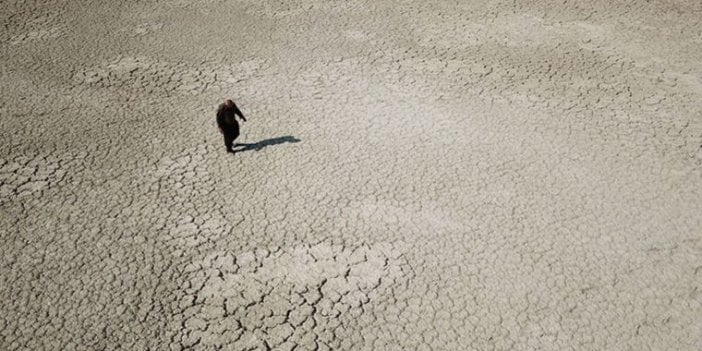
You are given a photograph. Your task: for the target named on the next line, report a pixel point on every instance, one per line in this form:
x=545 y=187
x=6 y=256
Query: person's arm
x=238 y=113
x=220 y=118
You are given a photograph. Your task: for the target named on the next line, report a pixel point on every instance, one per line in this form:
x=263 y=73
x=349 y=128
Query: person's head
x=228 y=103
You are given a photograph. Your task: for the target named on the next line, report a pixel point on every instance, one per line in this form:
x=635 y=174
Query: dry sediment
x=423 y=175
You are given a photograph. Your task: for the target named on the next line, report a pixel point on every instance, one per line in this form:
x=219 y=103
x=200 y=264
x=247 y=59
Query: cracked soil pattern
x=419 y=175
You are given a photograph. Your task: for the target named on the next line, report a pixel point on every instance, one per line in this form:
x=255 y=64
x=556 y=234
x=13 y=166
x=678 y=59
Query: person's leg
x=228 y=140
x=234 y=134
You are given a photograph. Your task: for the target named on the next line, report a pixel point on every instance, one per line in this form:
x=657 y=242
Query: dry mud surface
x=429 y=175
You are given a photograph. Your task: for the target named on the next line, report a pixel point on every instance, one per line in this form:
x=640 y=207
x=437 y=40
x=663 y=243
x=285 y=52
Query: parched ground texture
x=429 y=175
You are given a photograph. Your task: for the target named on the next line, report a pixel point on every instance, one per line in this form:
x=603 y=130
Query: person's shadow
x=258 y=146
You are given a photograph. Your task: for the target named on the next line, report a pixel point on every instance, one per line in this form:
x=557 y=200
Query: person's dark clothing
x=229 y=138
x=227 y=123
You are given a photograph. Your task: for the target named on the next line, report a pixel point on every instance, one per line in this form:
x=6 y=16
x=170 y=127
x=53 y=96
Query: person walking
x=227 y=123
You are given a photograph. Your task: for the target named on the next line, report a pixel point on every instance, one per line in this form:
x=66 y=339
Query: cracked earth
x=443 y=175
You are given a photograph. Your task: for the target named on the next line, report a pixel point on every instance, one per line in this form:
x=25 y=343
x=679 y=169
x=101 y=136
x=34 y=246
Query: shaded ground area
x=446 y=175
x=258 y=146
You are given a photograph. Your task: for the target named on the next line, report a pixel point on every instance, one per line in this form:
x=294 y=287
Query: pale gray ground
x=490 y=176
